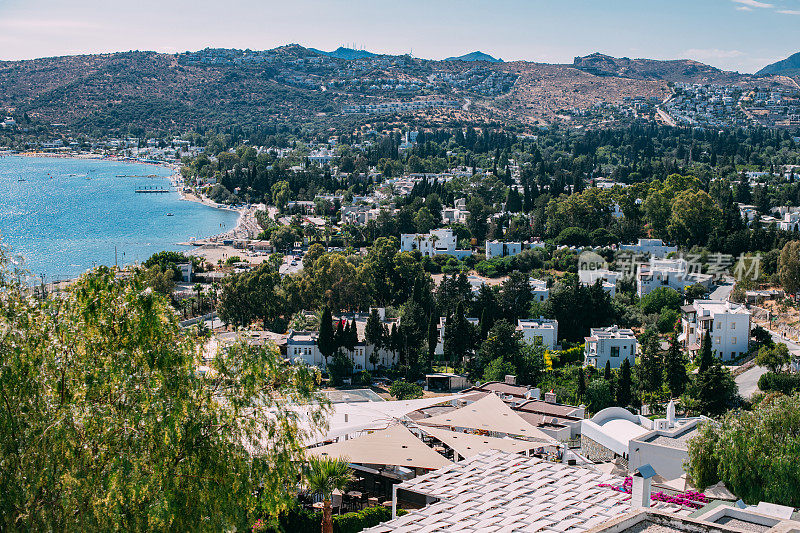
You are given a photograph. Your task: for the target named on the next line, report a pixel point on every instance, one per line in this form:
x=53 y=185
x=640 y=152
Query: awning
x=468 y=444
x=395 y=445
x=490 y=413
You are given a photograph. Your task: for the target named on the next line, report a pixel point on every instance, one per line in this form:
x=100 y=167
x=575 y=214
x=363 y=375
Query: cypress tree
x=706 y=357
x=624 y=386
x=581 y=384
x=326 y=341
x=433 y=338
x=607 y=372
x=675 y=368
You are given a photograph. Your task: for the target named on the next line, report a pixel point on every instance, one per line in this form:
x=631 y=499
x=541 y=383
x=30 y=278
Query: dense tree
x=102 y=382
x=789 y=267
x=773 y=357
x=248 y=296
x=753 y=452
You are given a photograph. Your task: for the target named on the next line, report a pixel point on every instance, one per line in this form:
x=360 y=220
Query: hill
x=787 y=67
x=132 y=92
x=475 y=56
x=345 y=53
x=675 y=70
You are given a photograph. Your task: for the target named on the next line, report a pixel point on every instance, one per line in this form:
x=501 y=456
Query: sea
x=63 y=216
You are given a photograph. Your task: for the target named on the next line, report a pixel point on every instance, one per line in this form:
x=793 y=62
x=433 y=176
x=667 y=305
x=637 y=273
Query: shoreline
x=211 y=247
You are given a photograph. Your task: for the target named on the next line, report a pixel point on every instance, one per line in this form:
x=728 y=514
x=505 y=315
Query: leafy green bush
x=779 y=382
x=361 y=520
x=403 y=390
x=574 y=237
x=301 y=520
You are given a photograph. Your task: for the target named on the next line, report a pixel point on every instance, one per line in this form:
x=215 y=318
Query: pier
x=152 y=190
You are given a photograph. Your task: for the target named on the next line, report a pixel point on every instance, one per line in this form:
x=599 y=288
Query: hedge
x=785 y=383
x=300 y=520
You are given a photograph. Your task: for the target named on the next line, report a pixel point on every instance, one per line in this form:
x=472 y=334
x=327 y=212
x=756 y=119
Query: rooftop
x=502 y=492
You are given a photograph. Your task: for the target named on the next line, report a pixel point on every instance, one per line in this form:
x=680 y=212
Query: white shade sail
x=395 y=445
x=490 y=413
x=468 y=444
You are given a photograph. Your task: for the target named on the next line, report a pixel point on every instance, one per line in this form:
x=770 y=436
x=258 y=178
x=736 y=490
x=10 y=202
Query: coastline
x=246 y=226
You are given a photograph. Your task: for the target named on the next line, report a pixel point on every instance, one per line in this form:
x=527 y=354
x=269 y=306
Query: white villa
x=727 y=323
x=508 y=249
x=437 y=242
x=674 y=273
x=539 y=331
x=654 y=247
x=609 y=279
x=610 y=344
x=301 y=346
x=539 y=289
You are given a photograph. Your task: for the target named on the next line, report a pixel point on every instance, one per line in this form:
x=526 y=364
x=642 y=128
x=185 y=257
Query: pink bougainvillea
x=691 y=498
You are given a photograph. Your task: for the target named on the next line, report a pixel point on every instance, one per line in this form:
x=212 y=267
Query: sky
x=742 y=35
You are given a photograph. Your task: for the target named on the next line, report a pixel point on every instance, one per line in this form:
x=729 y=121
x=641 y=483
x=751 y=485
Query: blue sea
x=68 y=215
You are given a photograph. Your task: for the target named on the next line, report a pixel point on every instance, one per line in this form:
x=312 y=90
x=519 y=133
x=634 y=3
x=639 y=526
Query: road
x=666 y=118
x=748 y=380
x=723 y=290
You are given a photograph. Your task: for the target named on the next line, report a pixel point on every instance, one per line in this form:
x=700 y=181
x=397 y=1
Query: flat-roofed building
x=727 y=323
x=611 y=344
x=539 y=331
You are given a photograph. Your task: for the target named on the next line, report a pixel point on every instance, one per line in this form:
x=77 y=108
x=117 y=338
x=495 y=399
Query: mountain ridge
x=477 y=55
x=785 y=67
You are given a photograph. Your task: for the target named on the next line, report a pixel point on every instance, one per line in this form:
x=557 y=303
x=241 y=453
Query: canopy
x=395 y=445
x=468 y=444
x=348 y=418
x=490 y=413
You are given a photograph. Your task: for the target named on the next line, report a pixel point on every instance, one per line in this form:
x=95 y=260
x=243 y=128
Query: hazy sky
x=739 y=35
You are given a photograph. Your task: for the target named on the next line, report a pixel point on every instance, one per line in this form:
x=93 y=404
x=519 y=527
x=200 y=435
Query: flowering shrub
x=691 y=498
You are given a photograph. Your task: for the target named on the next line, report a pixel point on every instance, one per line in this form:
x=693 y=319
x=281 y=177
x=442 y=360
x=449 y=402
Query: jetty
x=153 y=190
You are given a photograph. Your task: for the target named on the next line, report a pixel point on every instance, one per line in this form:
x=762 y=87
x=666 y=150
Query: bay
x=65 y=216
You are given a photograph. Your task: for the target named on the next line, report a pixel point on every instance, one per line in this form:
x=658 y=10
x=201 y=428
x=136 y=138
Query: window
x=718 y=340
x=733 y=340
x=733 y=326
x=615 y=351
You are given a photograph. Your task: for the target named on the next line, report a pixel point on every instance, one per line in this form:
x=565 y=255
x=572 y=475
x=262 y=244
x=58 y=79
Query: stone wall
x=594 y=451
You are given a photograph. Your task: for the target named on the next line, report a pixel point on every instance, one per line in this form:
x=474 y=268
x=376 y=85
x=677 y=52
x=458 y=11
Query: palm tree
x=323 y=476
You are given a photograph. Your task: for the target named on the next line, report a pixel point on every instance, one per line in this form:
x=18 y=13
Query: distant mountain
x=788 y=67
x=345 y=53
x=676 y=70
x=475 y=56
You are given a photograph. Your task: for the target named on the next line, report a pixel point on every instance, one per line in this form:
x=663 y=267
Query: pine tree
x=624 y=396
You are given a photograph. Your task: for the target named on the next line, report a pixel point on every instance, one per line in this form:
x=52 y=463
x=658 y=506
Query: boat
x=22 y=179
x=170 y=215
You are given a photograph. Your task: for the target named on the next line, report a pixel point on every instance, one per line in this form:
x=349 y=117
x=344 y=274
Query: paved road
x=748 y=380
x=723 y=290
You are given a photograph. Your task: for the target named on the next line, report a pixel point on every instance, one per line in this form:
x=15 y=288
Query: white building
x=654 y=247
x=610 y=344
x=539 y=331
x=301 y=346
x=437 y=242
x=439 y=350
x=674 y=273
x=608 y=279
x=508 y=249
x=727 y=323
x=539 y=290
